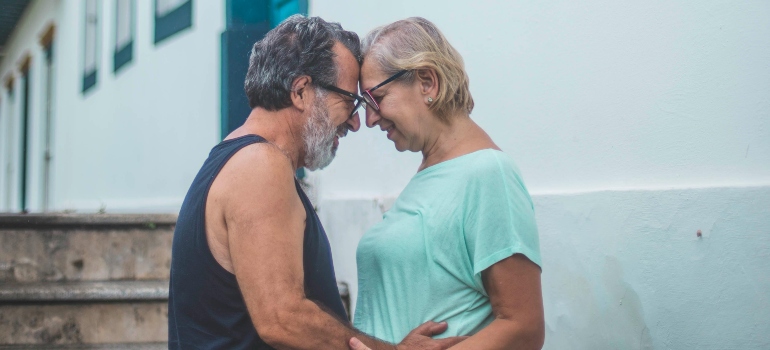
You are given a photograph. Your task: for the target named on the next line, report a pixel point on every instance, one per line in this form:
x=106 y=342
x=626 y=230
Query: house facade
x=113 y=105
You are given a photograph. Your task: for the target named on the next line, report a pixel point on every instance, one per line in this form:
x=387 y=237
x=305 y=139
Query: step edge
x=105 y=346
x=89 y=291
x=16 y=221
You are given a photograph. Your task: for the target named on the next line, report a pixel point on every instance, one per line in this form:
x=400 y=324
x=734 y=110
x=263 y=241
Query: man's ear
x=429 y=83
x=300 y=92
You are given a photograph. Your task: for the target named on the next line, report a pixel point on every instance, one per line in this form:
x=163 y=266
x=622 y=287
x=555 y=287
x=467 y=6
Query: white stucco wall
x=635 y=125
x=591 y=95
x=136 y=139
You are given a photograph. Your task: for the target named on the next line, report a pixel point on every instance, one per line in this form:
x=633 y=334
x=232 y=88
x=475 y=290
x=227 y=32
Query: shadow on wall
x=614 y=306
x=670 y=269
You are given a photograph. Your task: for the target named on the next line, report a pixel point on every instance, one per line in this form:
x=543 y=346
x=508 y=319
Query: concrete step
x=76 y=313
x=62 y=247
x=88 y=323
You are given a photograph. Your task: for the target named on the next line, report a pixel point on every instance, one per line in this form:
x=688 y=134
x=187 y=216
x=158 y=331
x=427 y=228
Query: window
x=171 y=16
x=91 y=54
x=124 y=33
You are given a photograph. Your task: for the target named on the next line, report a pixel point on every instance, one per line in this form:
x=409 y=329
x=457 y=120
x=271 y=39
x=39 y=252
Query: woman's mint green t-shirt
x=424 y=261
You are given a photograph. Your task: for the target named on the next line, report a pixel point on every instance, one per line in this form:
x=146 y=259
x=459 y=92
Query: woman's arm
x=513 y=286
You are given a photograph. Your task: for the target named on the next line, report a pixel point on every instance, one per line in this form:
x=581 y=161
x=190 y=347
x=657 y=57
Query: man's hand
x=419 y=338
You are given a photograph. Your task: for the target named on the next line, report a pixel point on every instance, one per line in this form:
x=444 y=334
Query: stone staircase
x=84 y=281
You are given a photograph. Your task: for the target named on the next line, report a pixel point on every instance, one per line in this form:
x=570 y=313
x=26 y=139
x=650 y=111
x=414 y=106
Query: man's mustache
x=342 y=130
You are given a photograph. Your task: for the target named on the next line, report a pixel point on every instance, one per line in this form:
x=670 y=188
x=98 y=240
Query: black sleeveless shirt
x=205 y=306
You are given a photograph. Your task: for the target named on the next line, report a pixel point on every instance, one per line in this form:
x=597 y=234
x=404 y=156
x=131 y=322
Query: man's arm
x=265 y=222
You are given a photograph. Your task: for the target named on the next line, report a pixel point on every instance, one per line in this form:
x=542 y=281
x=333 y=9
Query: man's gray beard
x=319 y=135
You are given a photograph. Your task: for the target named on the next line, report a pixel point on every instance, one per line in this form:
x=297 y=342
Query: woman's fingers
x=356 y=344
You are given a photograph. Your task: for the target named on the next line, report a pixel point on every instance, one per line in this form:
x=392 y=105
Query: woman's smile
x=390 y=130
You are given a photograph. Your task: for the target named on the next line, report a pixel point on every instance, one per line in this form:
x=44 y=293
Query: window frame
x=125 y=54
x=90 y=77
x=173 y=22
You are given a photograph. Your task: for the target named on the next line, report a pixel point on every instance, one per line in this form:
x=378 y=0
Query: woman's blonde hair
x=413 y=44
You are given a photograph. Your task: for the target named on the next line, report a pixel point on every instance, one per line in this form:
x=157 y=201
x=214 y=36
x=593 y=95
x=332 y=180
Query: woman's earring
x=430 y=100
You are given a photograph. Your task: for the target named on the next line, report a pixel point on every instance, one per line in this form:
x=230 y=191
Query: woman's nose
x=372 y=117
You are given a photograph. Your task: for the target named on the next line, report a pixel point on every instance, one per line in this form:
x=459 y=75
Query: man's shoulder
x=257 y=167
x=257 y=159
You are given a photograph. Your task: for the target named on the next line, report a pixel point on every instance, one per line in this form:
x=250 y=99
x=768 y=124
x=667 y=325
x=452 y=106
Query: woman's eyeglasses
x=369 y=99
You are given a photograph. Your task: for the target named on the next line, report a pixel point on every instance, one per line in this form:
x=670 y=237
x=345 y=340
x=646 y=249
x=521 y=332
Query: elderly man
x=251 y=264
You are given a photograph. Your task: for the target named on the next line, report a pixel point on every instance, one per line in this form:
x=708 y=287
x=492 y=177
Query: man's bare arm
x=265 y=222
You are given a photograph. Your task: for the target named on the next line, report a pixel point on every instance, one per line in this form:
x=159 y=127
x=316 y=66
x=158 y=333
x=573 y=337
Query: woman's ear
x=300 y=90
x=429 y=84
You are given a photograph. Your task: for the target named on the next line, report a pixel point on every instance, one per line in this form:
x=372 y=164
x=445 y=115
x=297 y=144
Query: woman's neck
x=457 y=138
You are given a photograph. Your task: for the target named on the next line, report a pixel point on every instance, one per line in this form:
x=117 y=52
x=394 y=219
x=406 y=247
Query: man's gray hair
x=298 y=46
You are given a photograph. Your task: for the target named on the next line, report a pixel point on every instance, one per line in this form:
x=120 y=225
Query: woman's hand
x=419 y=338
x=356 y=344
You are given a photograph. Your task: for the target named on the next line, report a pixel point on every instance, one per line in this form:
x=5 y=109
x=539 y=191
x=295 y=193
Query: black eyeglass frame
x=367 y=94
x=343 y=92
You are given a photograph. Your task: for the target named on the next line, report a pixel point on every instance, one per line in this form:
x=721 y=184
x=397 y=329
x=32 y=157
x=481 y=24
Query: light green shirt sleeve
x=499 y=218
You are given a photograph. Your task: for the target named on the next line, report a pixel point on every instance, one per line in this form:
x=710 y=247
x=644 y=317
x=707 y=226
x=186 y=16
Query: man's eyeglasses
x=357 y=99
x=369 y=99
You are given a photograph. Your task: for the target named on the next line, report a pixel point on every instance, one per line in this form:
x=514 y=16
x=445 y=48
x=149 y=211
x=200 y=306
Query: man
x=251 y=265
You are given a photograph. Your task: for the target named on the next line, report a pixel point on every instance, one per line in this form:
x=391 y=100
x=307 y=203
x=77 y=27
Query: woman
x=460 y=243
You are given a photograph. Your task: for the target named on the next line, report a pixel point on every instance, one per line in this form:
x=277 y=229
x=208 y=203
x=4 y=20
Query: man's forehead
x=347 y=63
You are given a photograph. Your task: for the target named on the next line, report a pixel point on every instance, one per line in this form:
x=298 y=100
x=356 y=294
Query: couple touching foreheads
x=454 y=263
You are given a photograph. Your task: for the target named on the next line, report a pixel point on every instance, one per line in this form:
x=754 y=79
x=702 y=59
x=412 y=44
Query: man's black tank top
x=205 y=306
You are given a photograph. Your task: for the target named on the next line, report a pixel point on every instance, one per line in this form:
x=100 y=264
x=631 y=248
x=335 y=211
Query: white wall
x=635 y=125
x=135 y=140
x=591 y=95
x=626 y=270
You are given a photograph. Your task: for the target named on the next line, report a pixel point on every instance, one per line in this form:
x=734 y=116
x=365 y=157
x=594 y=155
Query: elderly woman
x=460 y=243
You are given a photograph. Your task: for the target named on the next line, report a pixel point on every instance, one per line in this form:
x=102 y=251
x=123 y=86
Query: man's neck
x=282 y=129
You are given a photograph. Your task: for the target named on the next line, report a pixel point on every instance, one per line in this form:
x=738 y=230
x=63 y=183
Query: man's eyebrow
x=346 y=97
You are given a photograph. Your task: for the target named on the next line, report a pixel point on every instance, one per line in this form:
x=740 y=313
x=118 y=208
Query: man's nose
x=354 y=123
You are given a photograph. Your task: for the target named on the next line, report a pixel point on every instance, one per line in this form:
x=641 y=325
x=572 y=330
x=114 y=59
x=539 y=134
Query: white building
x=135 y=89
x=636 y=126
